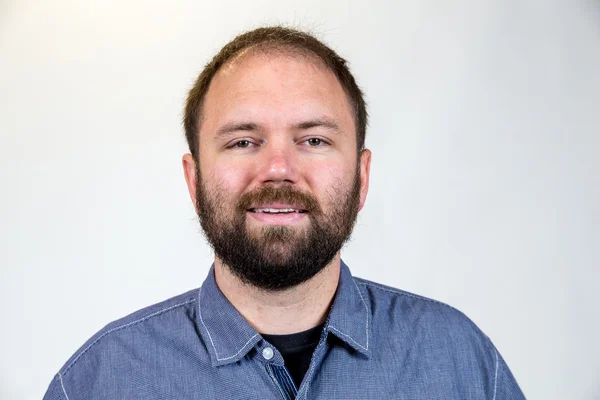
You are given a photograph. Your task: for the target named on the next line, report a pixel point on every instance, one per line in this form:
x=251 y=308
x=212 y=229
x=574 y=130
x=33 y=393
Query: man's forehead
x=247 y=64
x=271 y=75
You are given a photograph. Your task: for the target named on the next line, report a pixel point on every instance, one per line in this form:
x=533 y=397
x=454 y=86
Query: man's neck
x=283 y=312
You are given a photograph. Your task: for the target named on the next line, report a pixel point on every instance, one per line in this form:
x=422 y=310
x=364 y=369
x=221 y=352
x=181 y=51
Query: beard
x=277 y=257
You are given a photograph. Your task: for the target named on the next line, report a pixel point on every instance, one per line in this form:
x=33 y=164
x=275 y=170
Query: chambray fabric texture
x=377 y=343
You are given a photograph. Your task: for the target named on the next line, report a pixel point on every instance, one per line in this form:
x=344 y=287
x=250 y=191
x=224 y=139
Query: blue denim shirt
x=377 y=343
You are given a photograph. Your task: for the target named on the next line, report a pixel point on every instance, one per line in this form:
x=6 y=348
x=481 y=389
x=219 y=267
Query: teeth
x=275 y=210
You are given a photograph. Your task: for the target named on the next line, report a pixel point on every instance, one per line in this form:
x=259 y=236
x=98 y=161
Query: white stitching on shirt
x=118 y=328
x=495 y=374
x=347 y=336
x=210 y=337
x=62 y=385
x=312 y=365
x=367 y=310
x=366 y=327
x=203 y=324
x=403 y=293
x=236 y=354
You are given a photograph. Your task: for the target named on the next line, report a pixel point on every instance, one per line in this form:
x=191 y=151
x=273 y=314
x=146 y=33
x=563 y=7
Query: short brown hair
x=274 y=38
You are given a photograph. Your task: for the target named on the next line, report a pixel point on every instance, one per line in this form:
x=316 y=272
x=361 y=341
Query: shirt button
x=267 y=353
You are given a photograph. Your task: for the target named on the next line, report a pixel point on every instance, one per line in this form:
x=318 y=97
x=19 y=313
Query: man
x=278 y=172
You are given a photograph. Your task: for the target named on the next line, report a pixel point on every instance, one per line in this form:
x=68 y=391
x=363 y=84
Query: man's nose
x=279 y=163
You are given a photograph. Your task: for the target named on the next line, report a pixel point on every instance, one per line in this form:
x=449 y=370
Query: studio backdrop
x=485 y=188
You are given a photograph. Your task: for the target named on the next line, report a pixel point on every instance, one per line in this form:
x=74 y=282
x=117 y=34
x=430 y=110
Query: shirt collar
x=226 y=333
x=350 y=316
x=229 y=337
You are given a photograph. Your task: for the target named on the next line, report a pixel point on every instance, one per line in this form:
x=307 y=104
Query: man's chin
x=277 y=250
x=273 y=234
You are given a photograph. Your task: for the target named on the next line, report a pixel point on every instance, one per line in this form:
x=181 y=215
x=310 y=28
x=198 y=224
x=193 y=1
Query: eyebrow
x=319 y=122
x=233 y=127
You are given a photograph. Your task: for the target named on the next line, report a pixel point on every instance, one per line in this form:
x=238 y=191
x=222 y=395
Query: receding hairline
x=273 y=49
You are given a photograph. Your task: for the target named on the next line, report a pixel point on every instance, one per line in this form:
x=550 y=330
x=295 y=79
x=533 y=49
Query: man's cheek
x=231 y=177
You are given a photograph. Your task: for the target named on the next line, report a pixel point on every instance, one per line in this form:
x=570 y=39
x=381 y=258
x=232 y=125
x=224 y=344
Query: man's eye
x=242 y=144
x=315 y=142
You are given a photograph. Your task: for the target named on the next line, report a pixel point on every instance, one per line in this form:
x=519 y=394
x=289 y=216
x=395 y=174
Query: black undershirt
x=297 y=350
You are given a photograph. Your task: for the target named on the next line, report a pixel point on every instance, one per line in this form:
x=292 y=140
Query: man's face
x=278 y=184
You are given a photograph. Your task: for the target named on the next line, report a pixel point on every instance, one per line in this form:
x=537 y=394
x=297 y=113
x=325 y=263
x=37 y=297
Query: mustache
x=279 y=194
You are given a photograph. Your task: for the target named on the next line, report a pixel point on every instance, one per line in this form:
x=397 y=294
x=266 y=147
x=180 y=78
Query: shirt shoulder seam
x=402 y=293
x=62 y=386
x=496 y=374
x=121 y=327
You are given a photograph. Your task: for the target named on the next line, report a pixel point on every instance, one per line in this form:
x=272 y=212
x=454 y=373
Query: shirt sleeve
x=505 y=384
x=55 y=390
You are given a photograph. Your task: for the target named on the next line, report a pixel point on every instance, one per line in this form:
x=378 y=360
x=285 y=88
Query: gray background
x=485 y=179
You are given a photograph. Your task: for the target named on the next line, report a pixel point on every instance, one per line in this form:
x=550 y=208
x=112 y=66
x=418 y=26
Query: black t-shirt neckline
x=296 y=350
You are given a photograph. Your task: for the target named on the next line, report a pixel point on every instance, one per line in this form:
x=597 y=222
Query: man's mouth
x=277 y=214
x=277 y=210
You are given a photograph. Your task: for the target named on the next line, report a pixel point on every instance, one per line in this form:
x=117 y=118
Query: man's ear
x=189 y=171
x=365 y=170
